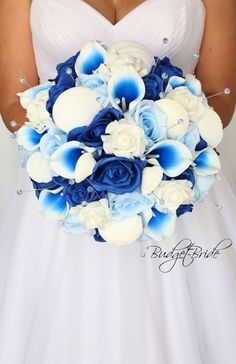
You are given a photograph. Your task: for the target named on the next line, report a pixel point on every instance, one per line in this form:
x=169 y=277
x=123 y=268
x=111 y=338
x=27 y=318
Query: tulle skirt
x=66 y=299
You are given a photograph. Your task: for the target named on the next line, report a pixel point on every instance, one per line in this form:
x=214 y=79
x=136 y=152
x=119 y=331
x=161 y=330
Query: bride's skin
x=216 y=67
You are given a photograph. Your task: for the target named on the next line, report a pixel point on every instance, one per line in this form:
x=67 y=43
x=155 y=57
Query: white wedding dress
x=66 y=299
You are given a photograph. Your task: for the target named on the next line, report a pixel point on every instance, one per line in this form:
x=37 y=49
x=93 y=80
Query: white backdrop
x=9 y=161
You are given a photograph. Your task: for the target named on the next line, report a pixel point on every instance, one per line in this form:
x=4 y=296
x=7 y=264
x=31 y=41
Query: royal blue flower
x=182 y=209
x=63 y=81
x=154 y=82
x=91 y=135
x=78 y=192
x=153 y=86
x=117 y=175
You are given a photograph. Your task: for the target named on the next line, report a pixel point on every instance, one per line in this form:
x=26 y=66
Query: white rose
x=171 y=194
x=37 y=113
x=193 y=104
x=129 y=53
x=126 y=139
x=95 y=215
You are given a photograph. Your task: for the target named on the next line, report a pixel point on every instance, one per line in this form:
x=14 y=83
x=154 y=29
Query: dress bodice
x=168 y=27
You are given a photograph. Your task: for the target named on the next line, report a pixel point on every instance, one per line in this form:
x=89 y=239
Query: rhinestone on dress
x=19 y=192
x=196 y=55
x=165 y=40
x=13 y=135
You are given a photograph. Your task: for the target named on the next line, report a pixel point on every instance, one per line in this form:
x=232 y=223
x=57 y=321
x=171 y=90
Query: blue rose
x=129 y=204
x=182 y=209
x=63 y=81
x=153 y=86
x=164 y=66
x=152 y=119
x=91 y=135
x=117 y=175
x=78 y=192
x=95 y=81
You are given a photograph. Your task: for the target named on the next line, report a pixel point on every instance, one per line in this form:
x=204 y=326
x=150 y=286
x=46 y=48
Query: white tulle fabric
x=66 y=299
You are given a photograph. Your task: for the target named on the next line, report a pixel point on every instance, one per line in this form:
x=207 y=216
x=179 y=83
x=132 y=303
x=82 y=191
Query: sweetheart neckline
x=133 y=11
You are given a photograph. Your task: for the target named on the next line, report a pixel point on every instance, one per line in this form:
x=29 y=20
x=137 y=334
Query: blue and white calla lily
x=207 y=162
x=90 y=58
x=71 y=161
x=28 y=137
x=173 y=156
x=53 y=204
x=125 y=88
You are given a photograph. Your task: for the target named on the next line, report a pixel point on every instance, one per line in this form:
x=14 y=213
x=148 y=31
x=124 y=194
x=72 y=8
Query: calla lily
x=28 y=137
x=207 y=162
x=29 y=95
x=75 y=107
x=151 y=178
x=125 y=88
x=90 y=58
x=161 y=225
x=84 y=167
x=70 y=161
x=53 y=204
x=210 y=127
x=121 y=233
x=63 y=161
x=38 y=168
x=173 y=156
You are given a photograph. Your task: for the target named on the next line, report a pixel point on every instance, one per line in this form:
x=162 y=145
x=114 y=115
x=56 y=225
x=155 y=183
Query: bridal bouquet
x=119 y=144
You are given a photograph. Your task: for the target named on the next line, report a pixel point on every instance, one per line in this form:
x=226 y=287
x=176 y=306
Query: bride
x=66 y=299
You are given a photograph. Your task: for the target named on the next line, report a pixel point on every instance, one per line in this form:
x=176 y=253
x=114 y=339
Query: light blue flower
x=52 y=140
x=202 y=186
x=97 y=82
x=152 y=119
x=191 y=138
x=72 y=225
x=129 y=204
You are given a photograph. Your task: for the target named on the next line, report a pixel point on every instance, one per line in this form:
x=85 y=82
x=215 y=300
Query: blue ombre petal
x=29 y=138
x=53 y=205
x=64 y=159
x=174 y=156
x=207 y=162
x=125 y=83
x=160 y=226
x=91 y=56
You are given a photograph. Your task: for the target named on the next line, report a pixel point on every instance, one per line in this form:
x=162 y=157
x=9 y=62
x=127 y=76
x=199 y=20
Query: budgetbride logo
x=186 y=252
